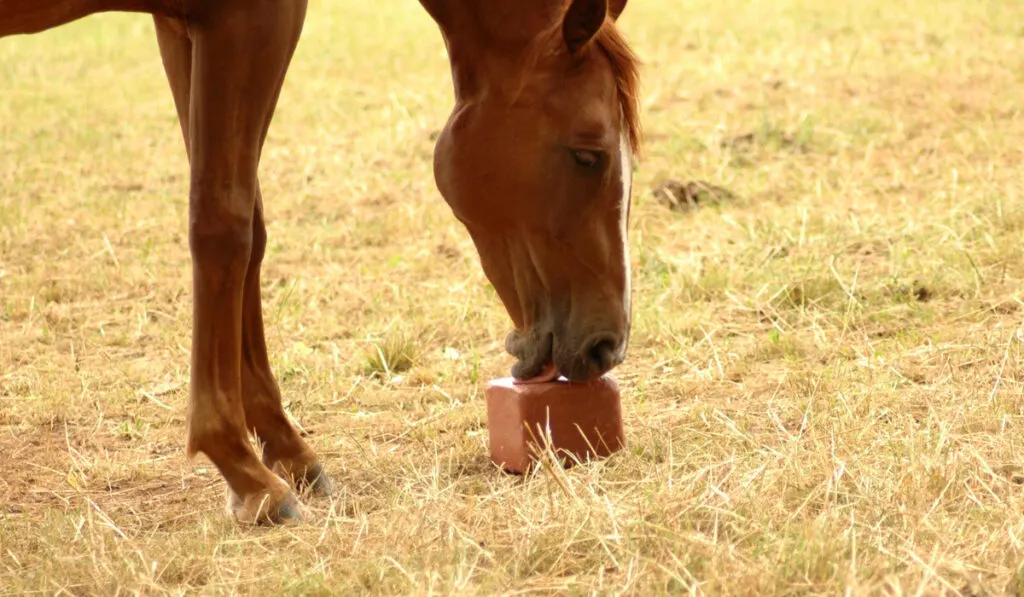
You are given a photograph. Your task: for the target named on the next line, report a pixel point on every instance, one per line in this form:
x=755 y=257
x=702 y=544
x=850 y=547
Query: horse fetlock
x=214 y=434
x=274 y=505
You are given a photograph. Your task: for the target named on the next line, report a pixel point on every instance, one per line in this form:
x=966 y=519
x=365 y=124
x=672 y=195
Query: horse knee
x=221 y=227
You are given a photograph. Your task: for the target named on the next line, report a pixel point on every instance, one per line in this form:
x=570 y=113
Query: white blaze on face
x=626 y=166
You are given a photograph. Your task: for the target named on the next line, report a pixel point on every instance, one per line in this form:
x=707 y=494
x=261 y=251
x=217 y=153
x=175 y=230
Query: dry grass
x=824 y=389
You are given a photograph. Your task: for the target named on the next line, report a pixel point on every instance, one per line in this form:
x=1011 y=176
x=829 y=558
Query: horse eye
x=586 y=158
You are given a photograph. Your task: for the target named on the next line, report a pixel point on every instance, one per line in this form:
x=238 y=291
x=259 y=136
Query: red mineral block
x=582 y=419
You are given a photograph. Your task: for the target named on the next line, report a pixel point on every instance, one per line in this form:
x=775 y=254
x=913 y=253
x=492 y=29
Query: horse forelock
x=625 y=65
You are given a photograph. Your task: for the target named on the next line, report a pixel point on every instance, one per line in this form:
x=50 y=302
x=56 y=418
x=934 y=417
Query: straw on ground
x=823 y=391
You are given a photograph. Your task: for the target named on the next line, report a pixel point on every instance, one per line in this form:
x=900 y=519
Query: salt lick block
x=581 y=419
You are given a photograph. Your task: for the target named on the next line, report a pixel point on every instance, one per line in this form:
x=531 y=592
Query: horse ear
x=582 y=22
x=615 y=8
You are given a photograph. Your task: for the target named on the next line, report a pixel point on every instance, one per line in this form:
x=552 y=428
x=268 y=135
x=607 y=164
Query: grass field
x=823 y=393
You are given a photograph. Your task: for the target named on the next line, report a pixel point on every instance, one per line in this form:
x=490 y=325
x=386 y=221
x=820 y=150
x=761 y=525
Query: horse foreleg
x=284 y=450
x=176 y=53
x=239 y=57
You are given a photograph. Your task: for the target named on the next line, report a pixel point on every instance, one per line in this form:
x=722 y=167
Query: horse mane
x=627 y=79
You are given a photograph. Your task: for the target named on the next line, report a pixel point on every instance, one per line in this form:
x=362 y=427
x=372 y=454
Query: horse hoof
x=316 y=481
x=288 y=512
x=265 y=508
x=312 y=479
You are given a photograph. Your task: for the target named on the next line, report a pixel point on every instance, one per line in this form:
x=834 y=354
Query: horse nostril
x=602 y=353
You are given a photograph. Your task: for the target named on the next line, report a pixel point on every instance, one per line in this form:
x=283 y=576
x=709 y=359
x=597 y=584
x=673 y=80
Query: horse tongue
x=548 y=373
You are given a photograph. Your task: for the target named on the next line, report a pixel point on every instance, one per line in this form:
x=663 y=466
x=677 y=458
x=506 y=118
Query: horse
x=535 y=160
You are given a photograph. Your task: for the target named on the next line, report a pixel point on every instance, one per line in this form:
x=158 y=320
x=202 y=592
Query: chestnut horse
x=535 y=160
